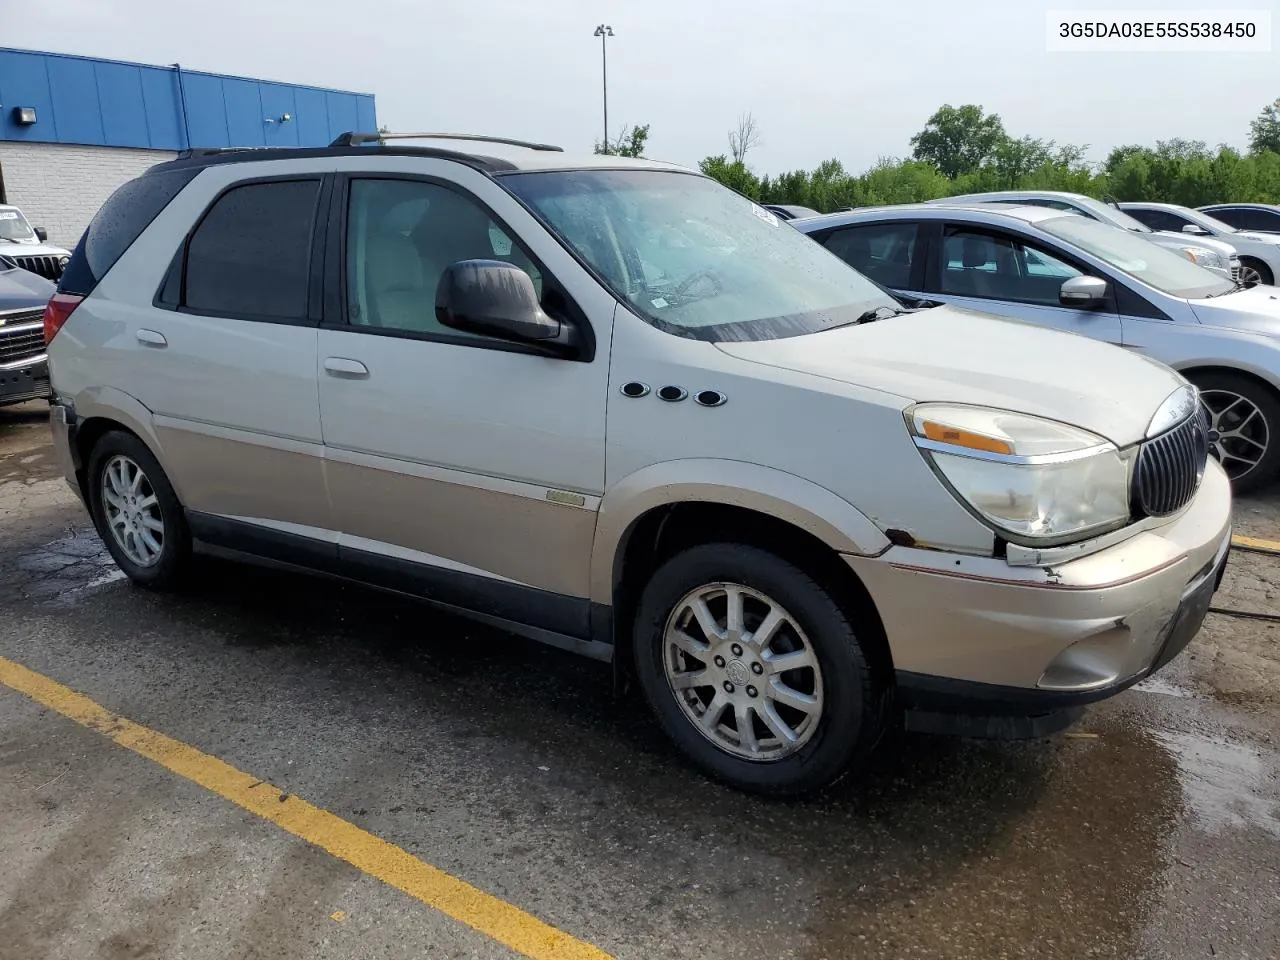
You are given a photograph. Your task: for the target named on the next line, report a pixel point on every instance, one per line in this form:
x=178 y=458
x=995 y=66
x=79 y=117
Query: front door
x=1012 y=277
x=462 y=467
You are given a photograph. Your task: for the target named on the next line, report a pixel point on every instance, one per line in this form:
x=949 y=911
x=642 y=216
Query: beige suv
x=618 y=408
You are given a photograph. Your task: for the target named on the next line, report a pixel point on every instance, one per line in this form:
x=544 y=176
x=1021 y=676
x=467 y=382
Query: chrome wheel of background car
x=743 y=671
x=132 y=511
x=1249 y=277
x=1238 y=432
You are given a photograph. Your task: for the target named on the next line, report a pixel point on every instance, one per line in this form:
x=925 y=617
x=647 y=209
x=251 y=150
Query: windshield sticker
x=764 y=215
x=659 y=302
x=8 y=214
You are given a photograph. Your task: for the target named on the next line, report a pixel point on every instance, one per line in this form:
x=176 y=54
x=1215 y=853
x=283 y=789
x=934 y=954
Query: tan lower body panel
x=510 y=534
x=228 y=473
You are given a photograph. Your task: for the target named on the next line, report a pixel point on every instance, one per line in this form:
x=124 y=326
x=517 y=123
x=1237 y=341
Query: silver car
x=1215 y=255
x=1257 y=217
x=1069 y=272
x=1259 y=252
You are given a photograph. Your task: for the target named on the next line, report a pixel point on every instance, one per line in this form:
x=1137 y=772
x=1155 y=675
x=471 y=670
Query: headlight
x=1206 y=258
x=1036 y=481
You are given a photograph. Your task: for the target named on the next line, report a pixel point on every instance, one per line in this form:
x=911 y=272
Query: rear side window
x=882 y=251
x=251 y=253
x=121 y=221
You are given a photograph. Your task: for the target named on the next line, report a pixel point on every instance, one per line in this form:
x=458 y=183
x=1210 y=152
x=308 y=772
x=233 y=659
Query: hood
x=1256 y=310
x=1263 y=237
x=953 y=355
x=1195 y=240
x=31 y=248
x=21 y=289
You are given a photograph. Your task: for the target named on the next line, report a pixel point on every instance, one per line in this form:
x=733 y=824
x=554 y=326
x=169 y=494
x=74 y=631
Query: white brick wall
x=60 y=187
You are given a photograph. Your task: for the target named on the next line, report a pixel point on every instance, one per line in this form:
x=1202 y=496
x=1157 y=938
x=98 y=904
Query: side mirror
x=42 y=234
x=493 y=298
x=1083 y=292
x=1196 y=229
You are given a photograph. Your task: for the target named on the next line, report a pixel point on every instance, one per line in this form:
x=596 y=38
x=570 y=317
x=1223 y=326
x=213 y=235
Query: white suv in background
x=1215 y=255
x=615 y=406
x=29 y=246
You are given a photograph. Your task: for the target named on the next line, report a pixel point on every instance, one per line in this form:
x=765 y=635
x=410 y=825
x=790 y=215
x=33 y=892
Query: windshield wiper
x=877 y=313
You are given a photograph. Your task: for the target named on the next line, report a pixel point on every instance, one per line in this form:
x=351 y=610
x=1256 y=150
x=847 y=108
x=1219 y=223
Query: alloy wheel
x=132 y=510
x=1238 y=432
x=1249 y=277
x=743 y=671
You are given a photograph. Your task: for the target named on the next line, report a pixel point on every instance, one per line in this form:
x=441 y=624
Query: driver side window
x=401 y=237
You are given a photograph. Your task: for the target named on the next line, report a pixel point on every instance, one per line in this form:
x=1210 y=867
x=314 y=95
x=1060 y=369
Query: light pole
x=604 y=32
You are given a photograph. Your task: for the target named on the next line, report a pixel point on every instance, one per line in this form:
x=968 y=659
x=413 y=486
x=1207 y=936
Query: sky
x=823 y=78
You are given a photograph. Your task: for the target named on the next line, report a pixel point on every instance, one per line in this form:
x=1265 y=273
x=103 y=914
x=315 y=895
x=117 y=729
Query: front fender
x=802 y=503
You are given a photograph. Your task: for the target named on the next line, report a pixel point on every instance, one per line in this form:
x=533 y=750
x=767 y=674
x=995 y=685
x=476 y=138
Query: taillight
x=57 y=311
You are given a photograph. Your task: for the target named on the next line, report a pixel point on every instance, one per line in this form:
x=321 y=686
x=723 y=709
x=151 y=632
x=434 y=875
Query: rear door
x=223 y=352
x=1002 y=273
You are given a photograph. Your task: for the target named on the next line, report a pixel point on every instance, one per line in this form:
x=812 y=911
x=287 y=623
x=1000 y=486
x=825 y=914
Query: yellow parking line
x=1256 y=543
x=495 y=918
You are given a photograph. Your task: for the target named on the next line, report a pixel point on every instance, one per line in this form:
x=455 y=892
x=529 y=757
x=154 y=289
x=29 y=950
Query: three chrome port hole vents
x=673 y=394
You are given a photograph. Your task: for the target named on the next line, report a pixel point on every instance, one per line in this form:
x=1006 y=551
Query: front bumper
x=24 y=380
x=971 y=634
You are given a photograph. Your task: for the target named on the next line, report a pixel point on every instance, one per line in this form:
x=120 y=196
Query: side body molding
x=803 y=504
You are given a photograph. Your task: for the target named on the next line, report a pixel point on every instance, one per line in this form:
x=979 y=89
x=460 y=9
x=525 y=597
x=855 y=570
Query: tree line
x=967 y=150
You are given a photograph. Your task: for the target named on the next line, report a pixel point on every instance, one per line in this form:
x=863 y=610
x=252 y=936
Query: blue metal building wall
x=108 y=103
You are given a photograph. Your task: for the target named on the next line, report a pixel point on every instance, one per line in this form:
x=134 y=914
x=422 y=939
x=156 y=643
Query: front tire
x=1254 y=272
x=137 y=513
x=755 y=671
x=1244 y=428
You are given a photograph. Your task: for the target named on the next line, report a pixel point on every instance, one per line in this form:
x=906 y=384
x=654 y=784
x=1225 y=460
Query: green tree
x=732 y=173
x=630 y=142
x=958 y=140
x=1264 y=132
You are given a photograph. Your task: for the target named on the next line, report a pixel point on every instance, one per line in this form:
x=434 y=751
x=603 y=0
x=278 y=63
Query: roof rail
x=353 y=139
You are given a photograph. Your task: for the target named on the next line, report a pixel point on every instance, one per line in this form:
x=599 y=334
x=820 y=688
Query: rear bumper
x=27 y=380
x=63 y=425
x=975 y=635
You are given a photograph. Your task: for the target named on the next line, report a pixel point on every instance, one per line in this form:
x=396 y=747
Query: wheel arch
x=659 y=510
x=98 y=412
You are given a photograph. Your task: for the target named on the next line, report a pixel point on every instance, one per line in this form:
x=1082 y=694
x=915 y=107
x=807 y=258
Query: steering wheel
x=717 y=285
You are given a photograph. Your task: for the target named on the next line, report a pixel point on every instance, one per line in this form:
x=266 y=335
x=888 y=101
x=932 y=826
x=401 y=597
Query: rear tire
x=137 y=513
x=797 y=709
x=1245 y=415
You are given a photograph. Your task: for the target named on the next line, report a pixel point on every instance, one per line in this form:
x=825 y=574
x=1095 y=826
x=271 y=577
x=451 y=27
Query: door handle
x=344 y=368
x=151 y=338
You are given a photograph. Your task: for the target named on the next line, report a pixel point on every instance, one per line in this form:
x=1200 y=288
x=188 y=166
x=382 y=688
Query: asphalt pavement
x=549 y=818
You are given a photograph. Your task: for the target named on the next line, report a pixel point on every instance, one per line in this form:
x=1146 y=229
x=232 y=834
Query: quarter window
x=882 y=251
x=401 y=237
x=994 y=267
x=250 y=255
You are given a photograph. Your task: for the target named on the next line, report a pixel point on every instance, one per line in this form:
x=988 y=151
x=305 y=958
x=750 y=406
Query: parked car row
x=615 y=406
x=1076 y=264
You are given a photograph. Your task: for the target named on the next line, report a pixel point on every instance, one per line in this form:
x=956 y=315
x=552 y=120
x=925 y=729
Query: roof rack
x=353 y=139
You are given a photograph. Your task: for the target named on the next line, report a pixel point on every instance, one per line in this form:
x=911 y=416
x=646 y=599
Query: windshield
x=1139 y=257
x=14 y=226
x=1109 y=214
x=1206 y=221
x=696 y=259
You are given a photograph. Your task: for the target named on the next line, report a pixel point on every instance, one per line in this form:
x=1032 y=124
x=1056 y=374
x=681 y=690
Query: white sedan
x=1259 y=252
x=1072 y=273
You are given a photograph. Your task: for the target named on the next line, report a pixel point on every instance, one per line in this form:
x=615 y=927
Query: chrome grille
x=1235 y=271
x=1171 y=466
x=21 y=338
x=48 y=267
